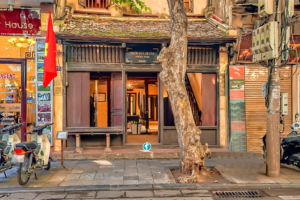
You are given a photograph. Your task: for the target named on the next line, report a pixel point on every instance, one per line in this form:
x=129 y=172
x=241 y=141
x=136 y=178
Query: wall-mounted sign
x=44 y=21
x=44 y=108
x=20 y=22
x=141 y=57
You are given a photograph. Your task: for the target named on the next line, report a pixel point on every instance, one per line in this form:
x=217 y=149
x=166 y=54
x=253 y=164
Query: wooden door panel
x=209 y=100
x=78 y=98
x=116 y=99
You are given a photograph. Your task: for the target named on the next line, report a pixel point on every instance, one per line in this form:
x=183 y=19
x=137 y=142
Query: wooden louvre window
x=188 y=4
x=94 y=3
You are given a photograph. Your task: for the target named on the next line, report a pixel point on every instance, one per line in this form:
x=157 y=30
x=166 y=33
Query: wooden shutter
x=256 y=112
x=78 y=99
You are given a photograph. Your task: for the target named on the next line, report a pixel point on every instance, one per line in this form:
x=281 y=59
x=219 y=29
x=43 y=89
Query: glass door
x=13 y=95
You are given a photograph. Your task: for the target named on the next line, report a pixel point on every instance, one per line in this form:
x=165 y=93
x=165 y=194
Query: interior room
x=142 y=108
x=202 y=93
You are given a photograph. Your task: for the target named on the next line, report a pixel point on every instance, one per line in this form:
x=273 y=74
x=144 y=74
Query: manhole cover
x=250 y=194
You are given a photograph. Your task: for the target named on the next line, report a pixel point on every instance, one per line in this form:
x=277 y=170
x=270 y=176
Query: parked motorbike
x=33 y=156
x=290 y=146
x=7 y=146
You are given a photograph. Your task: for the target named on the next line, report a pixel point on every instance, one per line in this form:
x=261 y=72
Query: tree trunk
x=174 y=60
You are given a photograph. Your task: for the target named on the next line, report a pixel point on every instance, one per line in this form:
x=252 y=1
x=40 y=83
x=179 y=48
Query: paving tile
x=146 y=181
x=76 y=171
x=81 y=194
x=51 y=195
x=110 y=194
x=68 y=183
x=100 y=182
x=57 y=178
x=52 y=183
x=17 y=196
x=87 y=176
x=294 y=180
x=84 y=182
x=132 y=187
x=115 y=182
x=131 y=178
x=167 y=193
x=35 y=183
x=139 y=193
x=130 y=182
x=280 y=180
x=72 y=177
x=158 y=181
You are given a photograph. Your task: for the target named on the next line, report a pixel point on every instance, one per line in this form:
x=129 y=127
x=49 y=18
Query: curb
x=176 y=186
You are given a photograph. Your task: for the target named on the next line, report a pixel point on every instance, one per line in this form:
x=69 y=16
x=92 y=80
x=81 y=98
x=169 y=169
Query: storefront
x=113 y=91
x=18 y=30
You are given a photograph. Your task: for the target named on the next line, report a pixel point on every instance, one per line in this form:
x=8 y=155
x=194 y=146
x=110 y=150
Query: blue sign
x=58 y=68
x=147 y=146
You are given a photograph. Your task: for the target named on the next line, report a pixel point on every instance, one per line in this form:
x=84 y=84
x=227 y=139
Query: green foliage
x=136 y=5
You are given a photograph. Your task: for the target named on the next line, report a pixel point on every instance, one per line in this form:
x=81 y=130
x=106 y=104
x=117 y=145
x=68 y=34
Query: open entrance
x=142 y=107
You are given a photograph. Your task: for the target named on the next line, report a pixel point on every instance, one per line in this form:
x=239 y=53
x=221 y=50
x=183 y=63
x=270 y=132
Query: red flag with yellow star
x=50 y=71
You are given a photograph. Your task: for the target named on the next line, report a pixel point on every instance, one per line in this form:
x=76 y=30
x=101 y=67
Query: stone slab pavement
x=144 y=174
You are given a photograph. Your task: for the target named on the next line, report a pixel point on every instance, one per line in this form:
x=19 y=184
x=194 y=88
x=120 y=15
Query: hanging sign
x=141 y=57
x=44 y=95
x=20 y=22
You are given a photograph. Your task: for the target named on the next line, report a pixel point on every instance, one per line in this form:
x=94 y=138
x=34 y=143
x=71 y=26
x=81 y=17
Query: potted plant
x=117 y=7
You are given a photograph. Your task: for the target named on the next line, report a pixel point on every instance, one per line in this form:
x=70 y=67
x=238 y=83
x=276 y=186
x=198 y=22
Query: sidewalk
x=145 y=175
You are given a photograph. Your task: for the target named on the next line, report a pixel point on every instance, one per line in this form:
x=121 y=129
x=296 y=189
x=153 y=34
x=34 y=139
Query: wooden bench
x=93 y=131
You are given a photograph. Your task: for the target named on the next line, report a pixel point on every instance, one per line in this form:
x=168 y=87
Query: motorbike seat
x=290 y=140
x=27 y=145
x=3 y=144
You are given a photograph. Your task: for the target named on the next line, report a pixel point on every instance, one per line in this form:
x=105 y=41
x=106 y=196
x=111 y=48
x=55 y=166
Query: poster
x=44 y=107
x=237 y=108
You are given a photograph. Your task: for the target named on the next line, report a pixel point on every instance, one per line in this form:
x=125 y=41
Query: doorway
x=142 y=108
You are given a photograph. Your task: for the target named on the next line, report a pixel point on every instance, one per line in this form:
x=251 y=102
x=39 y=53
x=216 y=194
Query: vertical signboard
x=44 y=108
x=237 y=108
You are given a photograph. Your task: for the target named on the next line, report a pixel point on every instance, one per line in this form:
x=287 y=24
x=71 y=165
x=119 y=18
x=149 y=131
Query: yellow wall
x=195 y=81
x=152 y=90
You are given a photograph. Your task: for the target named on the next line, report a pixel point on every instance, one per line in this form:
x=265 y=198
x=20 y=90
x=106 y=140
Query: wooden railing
x=194 y=105
x=97 y=3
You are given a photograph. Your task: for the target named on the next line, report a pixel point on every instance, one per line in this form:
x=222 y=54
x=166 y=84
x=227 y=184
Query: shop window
x=202 y=93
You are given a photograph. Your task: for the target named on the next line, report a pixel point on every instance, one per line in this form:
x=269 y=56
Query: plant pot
x=115 y=11
x=136 y=129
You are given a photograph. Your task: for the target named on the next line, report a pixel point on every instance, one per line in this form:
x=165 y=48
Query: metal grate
x=250 y=194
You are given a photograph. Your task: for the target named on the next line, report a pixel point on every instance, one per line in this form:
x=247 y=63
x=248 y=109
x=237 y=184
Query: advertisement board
x=20 y=22
x=44 y=108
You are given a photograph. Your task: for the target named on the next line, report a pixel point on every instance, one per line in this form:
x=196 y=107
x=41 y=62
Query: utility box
x=284 y=104
x=286 y=44
x=269 y=41
x=265 y=7
x=256 y=45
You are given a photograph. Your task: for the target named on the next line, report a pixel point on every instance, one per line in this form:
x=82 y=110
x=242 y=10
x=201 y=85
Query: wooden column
x=78 y=148
x=107 y=148
x=146 y=103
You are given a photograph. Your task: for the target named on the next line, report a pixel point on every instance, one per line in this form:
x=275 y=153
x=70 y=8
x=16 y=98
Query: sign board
x=237 y=108
x=62 y=135
x=147 y=146
x=141 y=57
x=20 y=22
x=44 y=96
x=44 y=21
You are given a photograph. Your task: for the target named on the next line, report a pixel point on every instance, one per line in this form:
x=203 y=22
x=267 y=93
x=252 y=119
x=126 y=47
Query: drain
x=250 y=194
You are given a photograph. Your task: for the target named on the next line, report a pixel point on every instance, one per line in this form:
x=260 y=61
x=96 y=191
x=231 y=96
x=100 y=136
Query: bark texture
x=174 y=60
